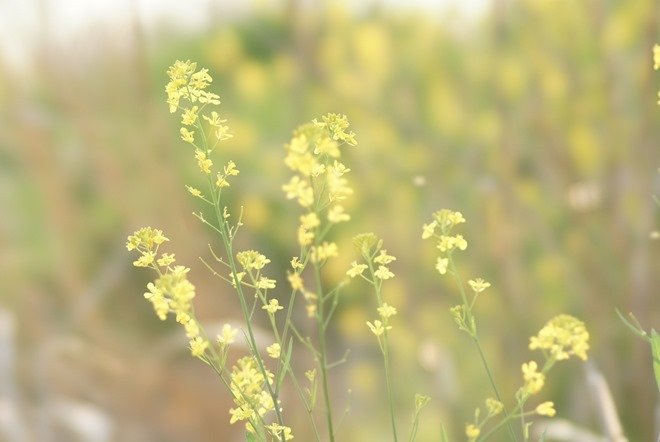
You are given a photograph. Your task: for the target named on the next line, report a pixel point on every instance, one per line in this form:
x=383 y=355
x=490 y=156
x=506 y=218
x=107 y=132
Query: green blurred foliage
x=538 y=122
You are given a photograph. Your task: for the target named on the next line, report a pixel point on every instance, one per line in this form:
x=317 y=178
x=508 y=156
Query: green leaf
x=443 y=435
x=655 y=347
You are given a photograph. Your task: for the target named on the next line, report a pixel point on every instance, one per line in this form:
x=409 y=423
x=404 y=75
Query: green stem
x=320 y=320
x=388 y=381
x=473 y=334
x=227 y=242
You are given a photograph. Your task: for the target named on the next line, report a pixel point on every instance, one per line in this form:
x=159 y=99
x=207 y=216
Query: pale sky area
x=22 y=22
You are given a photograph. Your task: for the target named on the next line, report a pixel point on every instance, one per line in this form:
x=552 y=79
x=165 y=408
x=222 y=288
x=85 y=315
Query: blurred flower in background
x=536 y=119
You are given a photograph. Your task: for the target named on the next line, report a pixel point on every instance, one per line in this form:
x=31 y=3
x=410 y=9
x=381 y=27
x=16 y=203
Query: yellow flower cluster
x=251 y=399
x=185 y=88
x=171 y=292
x=445 y=220
x=562 y=337
x=493 y=407
x=277 y=431
x=319 y=184
x=253 y=262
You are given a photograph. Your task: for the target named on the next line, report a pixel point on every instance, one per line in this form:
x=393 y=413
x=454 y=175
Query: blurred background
x=537 y=119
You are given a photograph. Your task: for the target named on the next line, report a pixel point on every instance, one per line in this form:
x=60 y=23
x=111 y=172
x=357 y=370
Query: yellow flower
x=562 y=337
x=324 y=251
x=336 y=214
x=460 y=242
x=384 y=258
x=273 y=350
x=227 y=335
x=472 y=432
x=189 y=116
x=377 y=328
x=428 y=230
x=478 y=285
x=385 y=311
x=194 y=191
x=276 y=430
x=251 y=259
x=273 y=306
x=441 y=265
x=356 y=269
x=203 y=162
x=494 y=406
x=656 y=57
x=198 y=346
x=383 y=273
x=534 y=380
x=309 y=221
x=295 y=280
x=266 y=283
x=546 y=409
x=187 y=135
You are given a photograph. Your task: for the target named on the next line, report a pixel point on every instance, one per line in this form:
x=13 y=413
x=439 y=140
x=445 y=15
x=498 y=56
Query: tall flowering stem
x=441 y=229
x=254 y=388
x=319 y=187
x=560 y=338
x=377 y=261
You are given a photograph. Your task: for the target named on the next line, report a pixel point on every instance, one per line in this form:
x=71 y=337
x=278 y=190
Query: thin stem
x=388 y=381
x=320 y=320
x=473 y=334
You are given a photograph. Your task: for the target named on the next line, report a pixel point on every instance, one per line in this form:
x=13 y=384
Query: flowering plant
x=319 y=186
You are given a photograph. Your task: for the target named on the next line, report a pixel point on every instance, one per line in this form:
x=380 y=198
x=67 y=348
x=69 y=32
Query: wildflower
x=198 y=346
x=297 y=188
x=356 y=269
x=276 y=430
x=546 y=409
x=295 y=280
x=189 y=116
x=145 y=239
x=203 y=162
x=494 y=406
x=460 y=242
x=428 y=230
x=385 y=311
x=336 y=214
x=194 y=191
x=145 y=260
x=273 y=350
x=305 y=237
x=266 y=283
x=534 y=380
x=383 y=273
x=324 y=251
x=309 y=221
x=656 y=57
x=187 y=135
x=227 y=335
x=364 y=242
x=441 y=265
x=562 y=337
x=377 y=328
x=247 y=385
x=273 y=306
x=478 y=285
x=251 y=259
x=472 y=432
x=384 y=258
